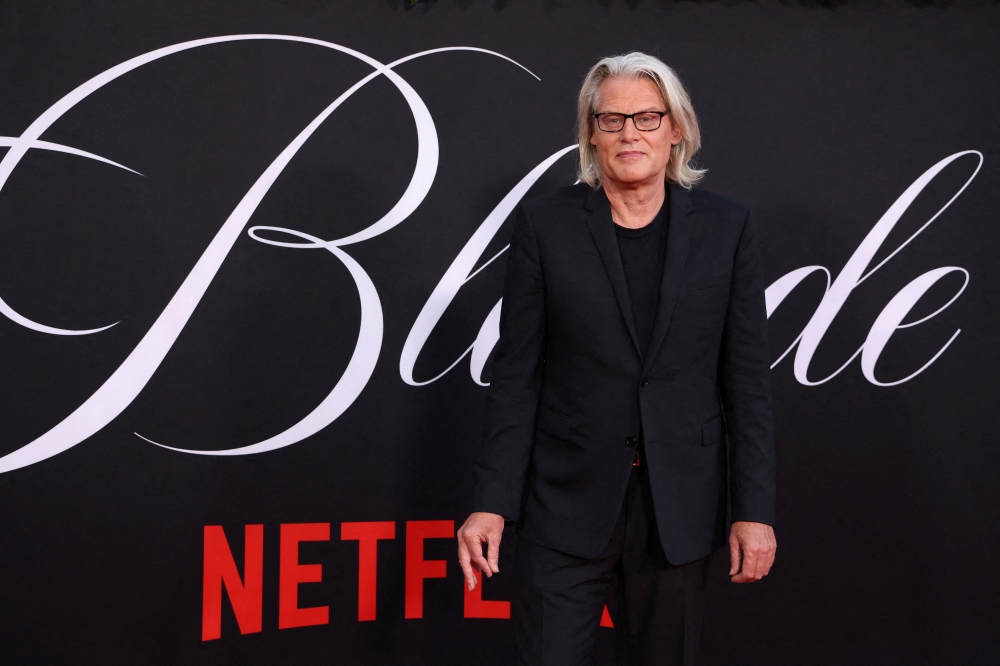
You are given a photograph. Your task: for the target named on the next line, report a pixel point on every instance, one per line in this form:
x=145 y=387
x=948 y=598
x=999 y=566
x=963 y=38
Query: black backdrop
x=817 y=117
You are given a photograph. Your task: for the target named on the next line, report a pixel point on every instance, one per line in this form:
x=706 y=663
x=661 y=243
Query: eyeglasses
x=644 y=121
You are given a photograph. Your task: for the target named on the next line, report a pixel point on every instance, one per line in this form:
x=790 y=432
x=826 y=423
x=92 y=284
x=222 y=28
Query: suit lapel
x=602 y=228
x=680 y=230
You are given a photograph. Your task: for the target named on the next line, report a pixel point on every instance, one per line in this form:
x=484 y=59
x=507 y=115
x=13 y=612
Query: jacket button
x=644 y=383
x=630 y=441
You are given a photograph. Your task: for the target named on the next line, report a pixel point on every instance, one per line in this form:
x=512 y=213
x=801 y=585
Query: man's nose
x=629 y=133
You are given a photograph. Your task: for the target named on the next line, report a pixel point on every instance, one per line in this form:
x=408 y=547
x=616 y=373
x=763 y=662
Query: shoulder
x=560 y=202
x=717 y=205
x=718 y=214
x=549 y=219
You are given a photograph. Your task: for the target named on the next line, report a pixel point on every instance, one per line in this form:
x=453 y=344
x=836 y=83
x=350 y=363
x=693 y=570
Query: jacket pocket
x=712 y=431
x=707 y=283
x=553 y=423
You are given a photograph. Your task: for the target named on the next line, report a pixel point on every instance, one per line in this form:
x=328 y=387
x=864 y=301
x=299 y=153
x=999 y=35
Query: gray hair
x=637 y=65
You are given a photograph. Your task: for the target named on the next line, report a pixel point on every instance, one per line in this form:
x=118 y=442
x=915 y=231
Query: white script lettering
x=129 y=379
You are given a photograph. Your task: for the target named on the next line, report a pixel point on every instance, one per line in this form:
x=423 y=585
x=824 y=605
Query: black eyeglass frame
x=626 y=116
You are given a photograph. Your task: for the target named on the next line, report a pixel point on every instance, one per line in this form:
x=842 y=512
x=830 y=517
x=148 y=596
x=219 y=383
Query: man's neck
x=633 y=207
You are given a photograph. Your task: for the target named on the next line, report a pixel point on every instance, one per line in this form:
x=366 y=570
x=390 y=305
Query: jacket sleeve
x=509 y=426
x=745 y=386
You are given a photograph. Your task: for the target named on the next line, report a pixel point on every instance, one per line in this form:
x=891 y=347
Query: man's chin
x=634 y=178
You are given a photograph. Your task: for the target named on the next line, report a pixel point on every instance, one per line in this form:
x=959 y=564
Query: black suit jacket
x=571 y=391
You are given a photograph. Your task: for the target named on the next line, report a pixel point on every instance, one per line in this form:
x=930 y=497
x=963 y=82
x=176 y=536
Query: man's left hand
x=751 y=551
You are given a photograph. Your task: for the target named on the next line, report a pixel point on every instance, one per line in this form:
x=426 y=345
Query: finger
x=747 y=571
x=493 y=544
x=765 y=563
x=469 y=575
x=475 y=545
x=759 y=570
x=464 y=562
x=747 y=568
x=734 y=557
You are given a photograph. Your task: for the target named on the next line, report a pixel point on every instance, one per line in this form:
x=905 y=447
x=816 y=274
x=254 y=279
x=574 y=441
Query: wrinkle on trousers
x=559 y=598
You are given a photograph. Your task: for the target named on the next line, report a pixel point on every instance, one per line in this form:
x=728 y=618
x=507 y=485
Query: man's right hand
x=479 y=528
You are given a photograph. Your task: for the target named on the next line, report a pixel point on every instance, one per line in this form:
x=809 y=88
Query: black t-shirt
x=642 y=252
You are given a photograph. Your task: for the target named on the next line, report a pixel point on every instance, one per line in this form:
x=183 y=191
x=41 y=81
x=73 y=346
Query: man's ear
x=675 y=134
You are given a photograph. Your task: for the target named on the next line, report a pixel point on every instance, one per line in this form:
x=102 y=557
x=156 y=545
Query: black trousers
x=558 y=598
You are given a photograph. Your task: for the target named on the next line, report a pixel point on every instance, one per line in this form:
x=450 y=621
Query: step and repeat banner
x=251 y=260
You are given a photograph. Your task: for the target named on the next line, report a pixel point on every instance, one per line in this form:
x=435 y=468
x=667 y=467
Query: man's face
x=631 y=157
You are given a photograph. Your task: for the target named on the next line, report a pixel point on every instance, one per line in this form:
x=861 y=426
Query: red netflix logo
x=246 y=592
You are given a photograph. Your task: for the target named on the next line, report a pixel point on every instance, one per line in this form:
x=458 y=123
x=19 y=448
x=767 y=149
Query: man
x=633 y=345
